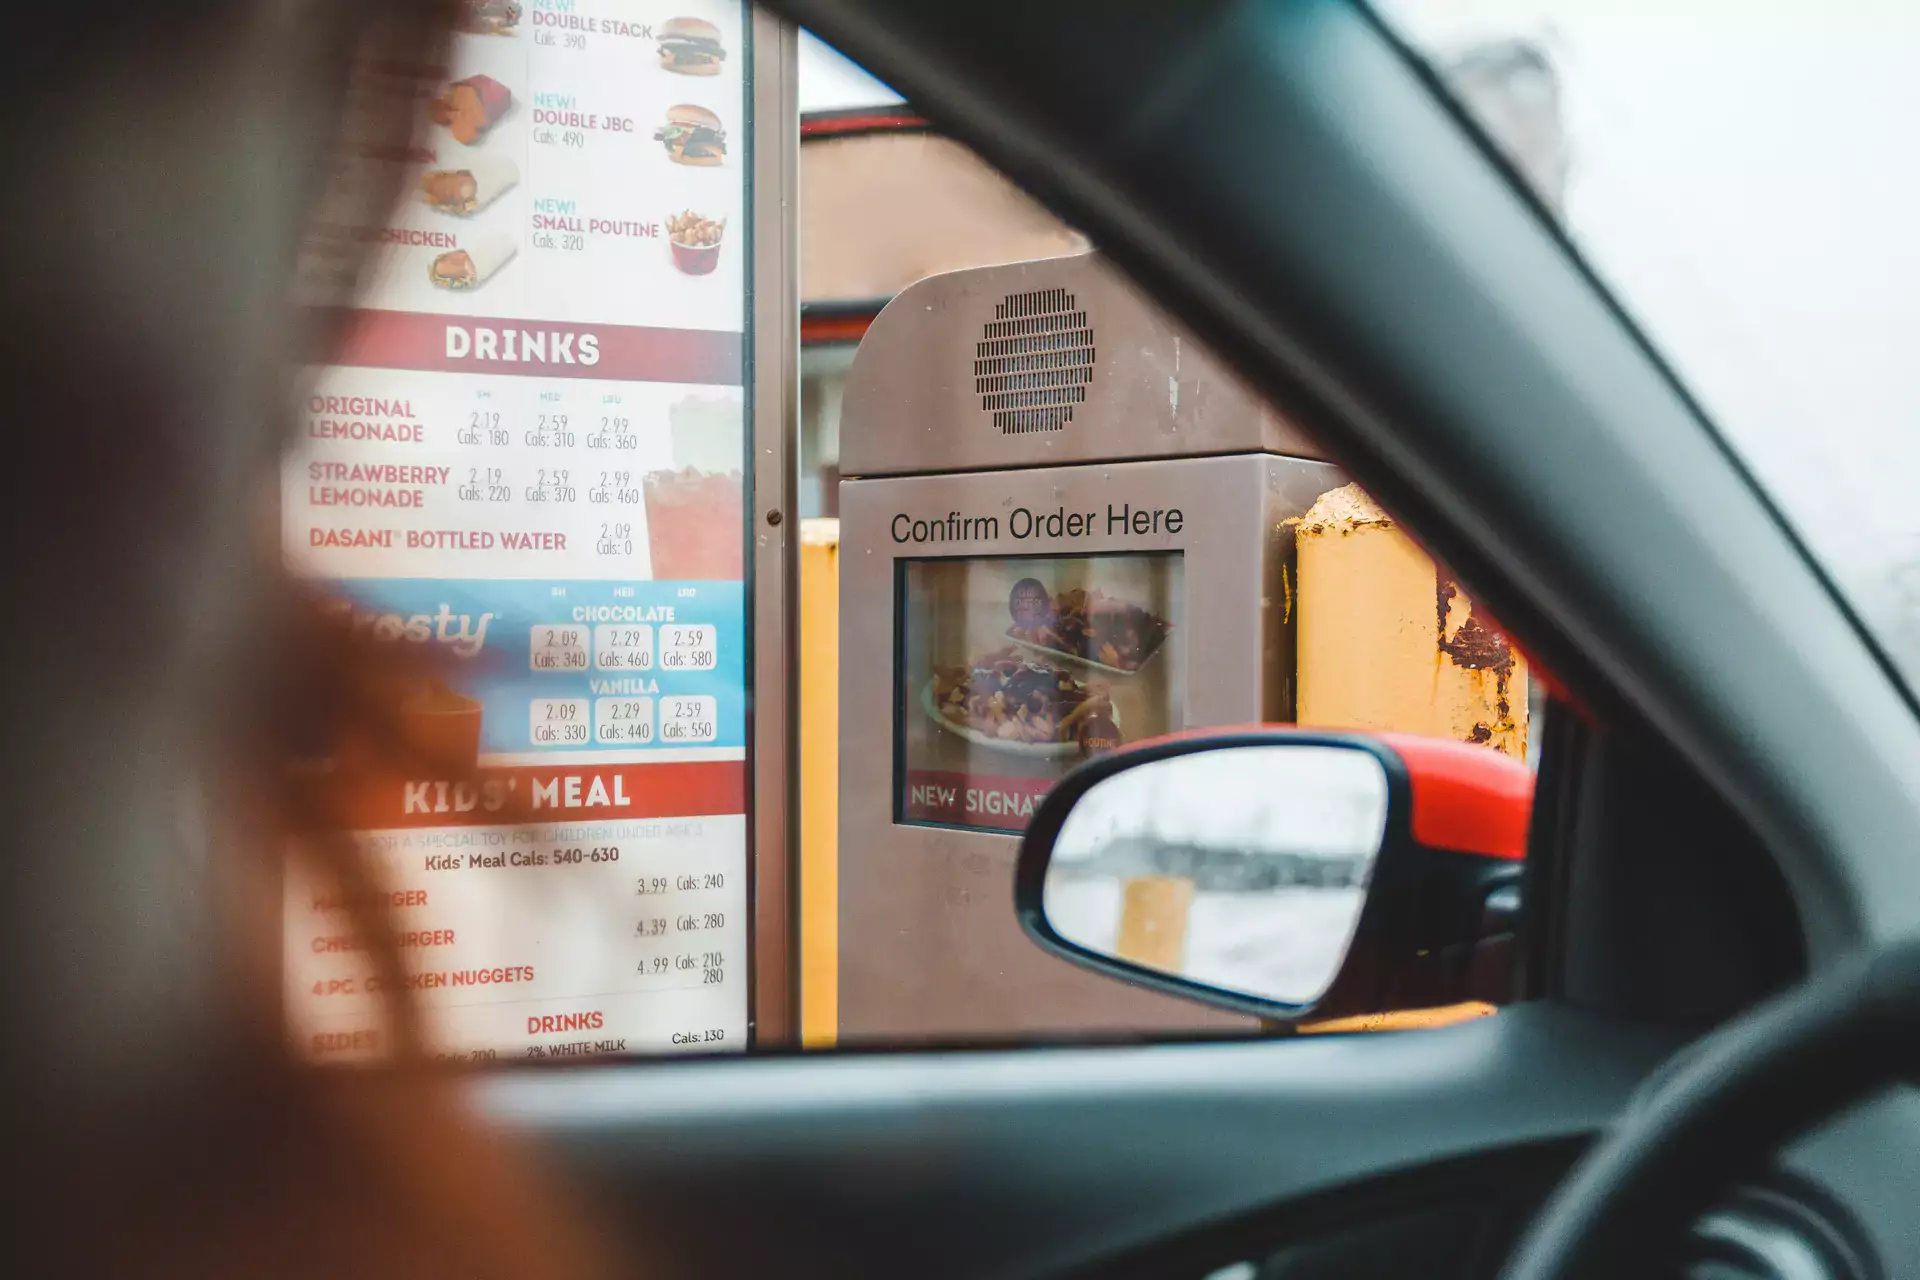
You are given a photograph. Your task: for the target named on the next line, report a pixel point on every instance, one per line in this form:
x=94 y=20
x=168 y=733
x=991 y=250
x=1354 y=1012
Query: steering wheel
x=1721 y=1108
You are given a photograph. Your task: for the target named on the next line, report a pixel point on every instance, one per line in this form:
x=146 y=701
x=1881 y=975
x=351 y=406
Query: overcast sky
x=1743 y=175
x=829 y=82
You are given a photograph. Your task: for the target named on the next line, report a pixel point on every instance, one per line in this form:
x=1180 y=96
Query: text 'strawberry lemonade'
x=695 y=511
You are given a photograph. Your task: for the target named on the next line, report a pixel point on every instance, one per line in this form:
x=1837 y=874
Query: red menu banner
x=489 y=344
x=542 y=793
x=973 y=799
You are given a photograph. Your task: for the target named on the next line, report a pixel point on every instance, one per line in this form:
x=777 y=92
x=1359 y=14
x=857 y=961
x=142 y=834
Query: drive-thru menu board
x=530 y=456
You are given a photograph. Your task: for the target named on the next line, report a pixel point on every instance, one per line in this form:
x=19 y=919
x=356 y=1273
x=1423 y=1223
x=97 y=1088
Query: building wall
x=880 y=210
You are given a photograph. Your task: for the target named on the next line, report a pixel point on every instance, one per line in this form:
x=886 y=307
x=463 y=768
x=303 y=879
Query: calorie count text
x=668 y=919
x=573 y=41
x=550 y=430
x=513 y=477
x=662 y=922
x=614 y=433
x=616 y=539
x=623 y=720
x=485 y=484
x=683 y=718
x=564 y=648
x=484 y=427
x=688 y=648
x=559 y=647
x=555 y=486
x=606 y=1048
x=624 y=647
x=574 y=139
x=465 y=1056
x=658 y=926
x=614 y=487
x=687 y=718
x=518 y=479
x=686 y=882
x=560 y=722
x=690 y=968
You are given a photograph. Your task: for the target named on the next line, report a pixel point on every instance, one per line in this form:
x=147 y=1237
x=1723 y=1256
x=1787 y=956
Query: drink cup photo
x=695 y=511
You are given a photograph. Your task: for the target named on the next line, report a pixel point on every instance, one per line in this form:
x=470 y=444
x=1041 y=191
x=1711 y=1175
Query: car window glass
x=1735 y=177
x=537 y=485
x=1000 y=667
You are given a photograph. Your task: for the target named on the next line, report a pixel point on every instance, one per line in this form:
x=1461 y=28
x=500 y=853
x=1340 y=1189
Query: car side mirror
x=1284 y=872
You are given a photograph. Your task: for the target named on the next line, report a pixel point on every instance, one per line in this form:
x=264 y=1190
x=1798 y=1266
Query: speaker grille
x=1034 y=361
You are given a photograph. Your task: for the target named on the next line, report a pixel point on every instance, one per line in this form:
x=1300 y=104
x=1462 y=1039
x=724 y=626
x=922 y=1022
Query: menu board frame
x=768 y=153
x=772 y=534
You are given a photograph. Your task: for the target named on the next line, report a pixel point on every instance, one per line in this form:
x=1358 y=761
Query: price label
x=556 y=648
x=623 y=646
x=559 y=722
x=688 y=648
x=687 y=718
x=618 y=720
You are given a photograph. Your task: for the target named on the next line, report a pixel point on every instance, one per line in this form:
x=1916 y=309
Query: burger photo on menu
x=1085 y=625
x=470 y=107
x=695 y=511
x=469 y=268
x=470 y=186
x=695 y=241
x=488 y=17
x=692 y=135
x=691 y=47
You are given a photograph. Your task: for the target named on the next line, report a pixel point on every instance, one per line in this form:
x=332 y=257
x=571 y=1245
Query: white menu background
x=621 y=926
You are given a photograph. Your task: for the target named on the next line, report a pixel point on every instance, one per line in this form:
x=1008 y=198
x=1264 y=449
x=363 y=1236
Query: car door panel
x=1040 y=1161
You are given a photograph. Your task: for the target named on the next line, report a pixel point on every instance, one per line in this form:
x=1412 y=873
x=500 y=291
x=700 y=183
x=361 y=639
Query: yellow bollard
x=1386 y=642
x=819 y=783
x=1153 y=922
x=1401 y=1020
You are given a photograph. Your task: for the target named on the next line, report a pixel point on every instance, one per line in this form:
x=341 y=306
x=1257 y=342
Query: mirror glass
x=1242 y=868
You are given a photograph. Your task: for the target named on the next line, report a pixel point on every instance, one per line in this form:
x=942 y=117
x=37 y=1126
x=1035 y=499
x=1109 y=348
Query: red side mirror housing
x=1465 y=798
x=1431 y=871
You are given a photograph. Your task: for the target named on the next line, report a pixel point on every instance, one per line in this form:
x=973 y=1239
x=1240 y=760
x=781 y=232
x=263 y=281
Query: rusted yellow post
x=819 y=782
x=1153 y=922
x=1386 y=642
